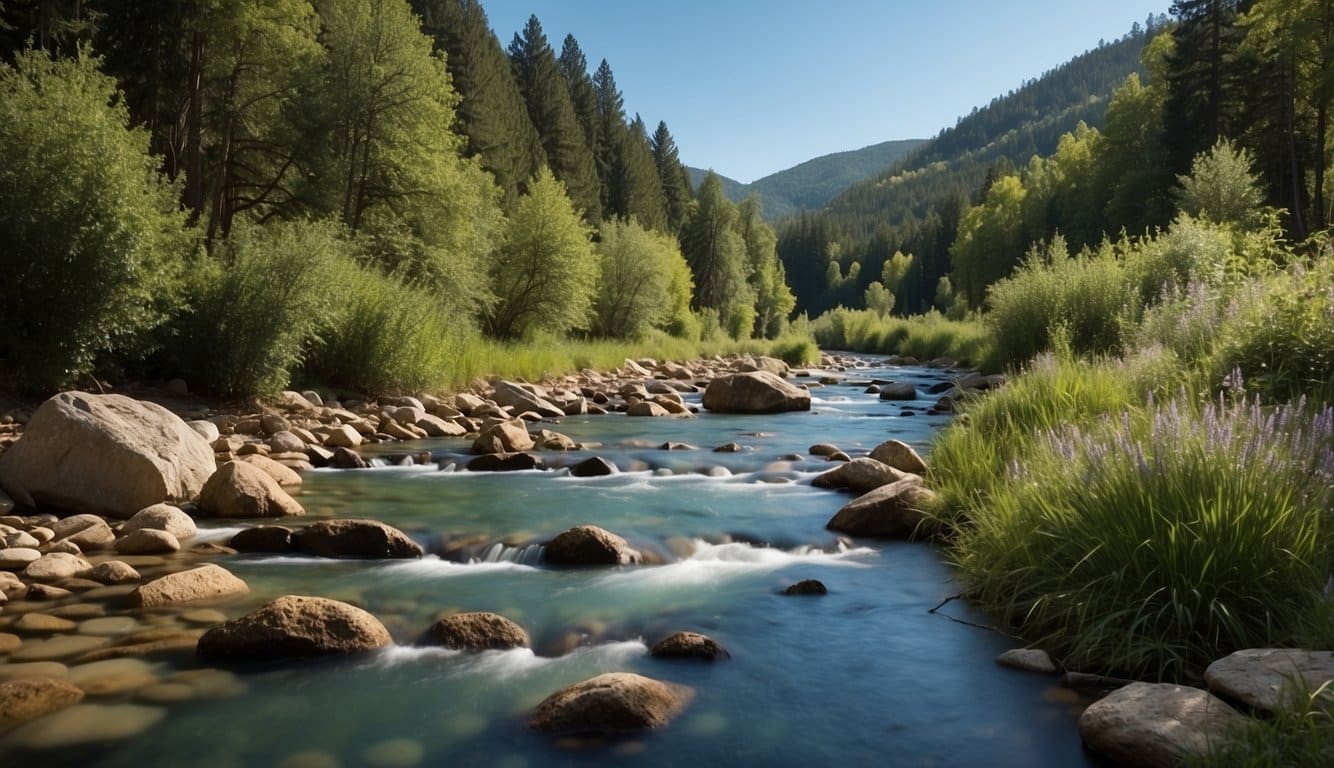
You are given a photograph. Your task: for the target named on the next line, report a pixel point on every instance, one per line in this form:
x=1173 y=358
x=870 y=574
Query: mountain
x=810 y=185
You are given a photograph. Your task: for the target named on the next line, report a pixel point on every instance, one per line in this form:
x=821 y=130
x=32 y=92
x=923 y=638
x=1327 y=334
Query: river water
x=862 y=676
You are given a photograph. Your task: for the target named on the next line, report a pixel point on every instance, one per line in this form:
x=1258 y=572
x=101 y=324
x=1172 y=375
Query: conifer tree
x=491 y=111
x=1201 y=85
x=552 y=112
x=637 y=190
x=675 y=182
x=717 y=256
x=574 y=68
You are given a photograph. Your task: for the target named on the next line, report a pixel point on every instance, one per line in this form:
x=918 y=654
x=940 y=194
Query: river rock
x=104 y=454
x=434 y=426
x=505 y=462
x=509 y=436
x=1260 y=678
x=105 y=678
x=611 y=703
x=355 y=538
x=16 y=558
x=239 y=490
x=764 y=363
x=56 y=648
x=590 y=545
x=646 y=408
x=207 y=582
x=900 y=456
x=8 y=642
x=860 y=475
x=282 y=475
x=898 y=390
x=286 y=441
x=346 y=458
x=147 y=541
x=274 y=539
x=46 y=592
x=1027 y=660
x=755 y=392
x=806 y=588
x=479 y=631
x=594 y=466
x=84 y=531
x=30 y=698
x=55 y=566
x=823 y=449
x=1156 y=725
x=162 y=517
x=521 y=398
x=88 y=724
x=891 y=511
x=19 y=539
x=689 y=645
x=41 y=623
x=343 y=436
x=294 y=626
x=113 y=572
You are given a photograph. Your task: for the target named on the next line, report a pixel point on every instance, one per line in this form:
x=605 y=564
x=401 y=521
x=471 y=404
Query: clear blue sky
x=749 y=87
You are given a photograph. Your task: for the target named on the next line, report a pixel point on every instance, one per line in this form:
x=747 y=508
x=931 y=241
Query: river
x=862 y=676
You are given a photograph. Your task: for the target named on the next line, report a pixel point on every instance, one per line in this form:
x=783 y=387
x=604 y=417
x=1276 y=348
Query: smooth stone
x=478 y=631
x=594 y=466
x=395 y=753
x=18 y=558
x=36 y=623
x=55 y=566
x=88 y=724
x=205 y=616
x=60 y=647
x=615 y=702
x=79 y=611
x=1027 y=659
x=47 y=592
x=1261 y=678
x=898 y=390
x=590 y=545
x=240 y=490
x=15 y=670
x=263 y=538
x=30 y=698
x=113 y=676
x=21 y=540
x=114 y=572
x=9 y=642
x=165 y=693
x=109 y=626
x=148 y=541
x=211 y=683
x=1156 y=725
x=162 y=517
x=688 y=645
x=282 y=475
x=806 y=587
x=355 y=538
x=295 y=626
x=207 y=582
x=860 y=475
x=900 y=456
x=896 y=510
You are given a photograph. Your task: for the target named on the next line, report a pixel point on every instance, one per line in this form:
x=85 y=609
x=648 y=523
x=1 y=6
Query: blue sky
x=749 y=87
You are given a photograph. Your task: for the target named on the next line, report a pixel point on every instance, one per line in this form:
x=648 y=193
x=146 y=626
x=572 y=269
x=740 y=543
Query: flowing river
x=862 y=676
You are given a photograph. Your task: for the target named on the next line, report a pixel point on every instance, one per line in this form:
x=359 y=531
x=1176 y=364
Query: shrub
x=1153 y=543
x=93 y=241
x=383 y=335
x=637 y=268
x=923 y=336
x=256 y=305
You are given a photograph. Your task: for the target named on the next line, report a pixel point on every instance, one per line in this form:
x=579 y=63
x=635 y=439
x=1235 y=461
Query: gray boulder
x=1156 y=725
x=755 y=392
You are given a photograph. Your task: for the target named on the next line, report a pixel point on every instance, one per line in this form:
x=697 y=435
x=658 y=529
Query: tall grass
x=1300 y=733
x=1152 y=543
x=923 y=336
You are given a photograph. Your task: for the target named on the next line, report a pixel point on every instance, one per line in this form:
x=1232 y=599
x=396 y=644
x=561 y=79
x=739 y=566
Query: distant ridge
x=812 y=184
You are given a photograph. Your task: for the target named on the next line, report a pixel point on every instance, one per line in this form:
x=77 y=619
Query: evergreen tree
x=552 y=113
x=574 y=68
x=717 y=256
x=611 y=128
x=491 y=111
x=1200 y=97
x=764 y=272
x=675 y=182
x=638 y=190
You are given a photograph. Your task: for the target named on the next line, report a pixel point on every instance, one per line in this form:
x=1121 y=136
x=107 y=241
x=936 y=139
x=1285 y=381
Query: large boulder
x=355 y=538
x=590 y=545
x=755 y=392
x=205 y=583
x=612 y=703
x=104 y=454
x=896 y=511
x=30 y=698
x=510 y=436
x=1261 y=678
x=900 y=456
x=522 y=398
x=898 y=390
x=861 y=476
x=478 y=631
x=1156 y=725
x=294 y=626
x=241 y=490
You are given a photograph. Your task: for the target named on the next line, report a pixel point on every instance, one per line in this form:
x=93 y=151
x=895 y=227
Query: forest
x=345 y=192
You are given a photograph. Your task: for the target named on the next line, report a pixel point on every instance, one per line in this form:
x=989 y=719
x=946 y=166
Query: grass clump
x=922 y=336
x=1150 y=544
x=1299 y=734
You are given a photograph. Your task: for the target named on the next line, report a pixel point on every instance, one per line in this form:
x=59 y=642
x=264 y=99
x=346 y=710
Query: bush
x=383 y=336
x=925 y=336
x=637 y=268
x=1154 y=543
x=93 y=241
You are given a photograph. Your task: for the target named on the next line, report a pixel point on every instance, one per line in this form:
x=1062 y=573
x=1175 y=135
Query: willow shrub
x=1153 y=543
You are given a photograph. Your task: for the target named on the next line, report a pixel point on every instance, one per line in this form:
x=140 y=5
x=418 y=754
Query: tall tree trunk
x=194 y=127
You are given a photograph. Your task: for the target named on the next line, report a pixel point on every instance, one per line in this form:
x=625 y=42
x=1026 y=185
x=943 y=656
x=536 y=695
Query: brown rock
x=478 y=631
x=162 y=517
x=505 y=462
x=104 y=454
x=504 y=437
x=861 y=475
x=806 y=587
x=32 y=697
x=87 y=532
x=646 y=408
x=263 y=538
x=590 y=545
x=239 y=490
x=755 y=392
x=896 y=510
x=594 y=466
x=355 y=538
x=55 y=566
x=900 y=456
x=281 y=475
x=612 y=703
x=294 y=626
x=1156 y=725
x=689 y=645
x=147 y=541
x=113 y=572
x=207 y=582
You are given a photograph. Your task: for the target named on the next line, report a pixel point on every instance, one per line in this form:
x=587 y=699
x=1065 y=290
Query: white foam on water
x=214 y=535
x=507 y=664
x=712 y=562
x=432 y=567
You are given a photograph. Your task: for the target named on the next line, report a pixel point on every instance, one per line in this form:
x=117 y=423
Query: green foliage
x=764 y=274
x=1222 y=187
x=93 y=242
x=878 y=299
x=717 y=255
x=1300 y=733
x=635 y=288
x=256 y=305
x=545 y=275
x=1154 y=542
x=990 y=240
x=383 y=336
x=923 y=336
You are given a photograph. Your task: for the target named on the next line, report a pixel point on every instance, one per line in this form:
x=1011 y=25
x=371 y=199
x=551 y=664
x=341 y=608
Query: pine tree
x=574 y=68
x=552 y=112
x=638 y=190
x=717 y=256
x=675 y=182
x=491 y=112
x=611 y=127
x=1201 y=87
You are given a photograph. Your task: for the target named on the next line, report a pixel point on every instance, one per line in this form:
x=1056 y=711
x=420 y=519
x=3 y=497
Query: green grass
x=1298 y=735
x=925 y=337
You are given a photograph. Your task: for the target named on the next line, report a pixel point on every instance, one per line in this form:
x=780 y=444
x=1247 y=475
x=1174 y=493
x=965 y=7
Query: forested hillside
x=347 y=191
x=812 y=184
x=915 y=206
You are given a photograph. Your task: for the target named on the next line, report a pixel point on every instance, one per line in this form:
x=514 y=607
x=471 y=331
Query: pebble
x=104 y=678
x=17 y=558
x=33 y=669
x=86 y=724
x=9 y=642
x=61 y=647
x=42 y=622
x=79 y=611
